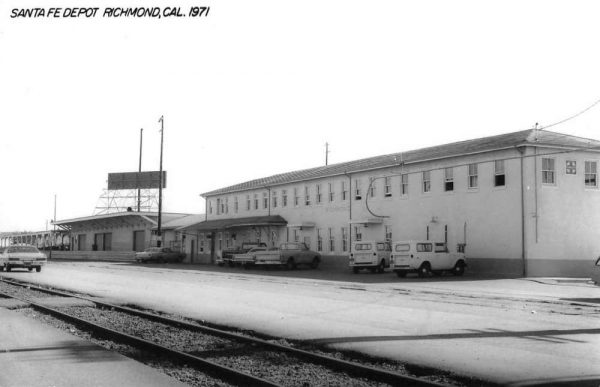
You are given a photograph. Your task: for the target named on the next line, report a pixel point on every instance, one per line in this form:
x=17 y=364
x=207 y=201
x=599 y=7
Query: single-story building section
x=523 y=203
x=113 y=235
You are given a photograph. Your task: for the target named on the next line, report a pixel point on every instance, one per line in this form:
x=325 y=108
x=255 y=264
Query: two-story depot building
x=522 y=203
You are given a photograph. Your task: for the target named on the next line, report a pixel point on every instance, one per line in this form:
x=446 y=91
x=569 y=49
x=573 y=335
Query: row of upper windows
x=283 y=197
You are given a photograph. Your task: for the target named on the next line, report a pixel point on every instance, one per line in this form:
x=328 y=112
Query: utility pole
x=139 y=193
x=160 y=181
x=326 y=153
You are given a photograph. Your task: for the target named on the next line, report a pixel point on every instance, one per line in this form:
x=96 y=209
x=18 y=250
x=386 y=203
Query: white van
x=370 y=255
x=425 y=258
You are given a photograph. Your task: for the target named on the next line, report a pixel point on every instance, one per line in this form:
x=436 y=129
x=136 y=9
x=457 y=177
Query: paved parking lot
x=511 y=331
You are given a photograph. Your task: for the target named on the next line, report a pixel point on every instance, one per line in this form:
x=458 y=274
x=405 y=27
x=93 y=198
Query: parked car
x=425 y=258
x=227 y=254
x=596 y=272
x=159 y=254
x=289 y=255
x=370 y=255
x=22 y=256
x=248 y=258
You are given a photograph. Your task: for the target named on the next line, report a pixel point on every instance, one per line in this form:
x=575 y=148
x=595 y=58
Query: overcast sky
x=258 y=87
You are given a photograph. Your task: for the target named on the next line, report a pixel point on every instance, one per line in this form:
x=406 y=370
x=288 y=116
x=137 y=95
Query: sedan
x=21 y=256
x=159 y=254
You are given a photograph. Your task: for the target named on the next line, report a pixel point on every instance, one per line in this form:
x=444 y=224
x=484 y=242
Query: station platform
x=35 y=354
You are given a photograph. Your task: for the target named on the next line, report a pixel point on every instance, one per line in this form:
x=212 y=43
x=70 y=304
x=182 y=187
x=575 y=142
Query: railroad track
x=217 y=349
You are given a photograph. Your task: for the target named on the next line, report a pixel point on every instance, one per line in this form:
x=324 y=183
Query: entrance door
x=139 y=240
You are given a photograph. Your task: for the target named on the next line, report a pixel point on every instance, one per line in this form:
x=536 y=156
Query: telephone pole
x=139 y=193
x=160 y=181
x=326 y=153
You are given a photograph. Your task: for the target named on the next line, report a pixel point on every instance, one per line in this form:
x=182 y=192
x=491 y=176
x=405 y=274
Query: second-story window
x=284 y=198
x=499 y=174
x=227 y=205
x=372 y=187
x=219 y=210
x=256 y=201
x=473 y=183
x=307 y=195
x=236 y=205
x=248 y=202
x=404 y=184
x=427 y=181
x=319 y=196
x=296 y=197
x=591 y=174
x=357 y=190
x=344 y=190
x=448 y=179
x=210 y=208
x=265 y=200
x=274 y=199
x=331 y=192
x=548 y=172
x=387 y=188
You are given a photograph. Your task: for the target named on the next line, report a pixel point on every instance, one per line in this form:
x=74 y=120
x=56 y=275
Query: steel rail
x=231 y=374
x=349 y=367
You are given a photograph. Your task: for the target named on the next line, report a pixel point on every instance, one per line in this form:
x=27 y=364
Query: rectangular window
x=331 y=240
x=571 y=167
x=318 y=193
x=372 y=187
x=210 y=209
x=319 y=240
x=256 y=201
x=331 y=193
x=499 y=175
x=344 y=192
x=265 y=200
x=591 y=174
x=247 y=202
x=357 y=190
x=548 y=172
x=284 y=197
x=404 y=184
x=427 y=181
x=227 y=205
x=296 y=197
x=274 y=199
x=473 y=176
x=387 y=189
x=388 y=233
x=449 y=179
x=296 y=235
x=357 y=233
x=307 y=195
x=344 y=239
x=219 y=210
x=236 y=204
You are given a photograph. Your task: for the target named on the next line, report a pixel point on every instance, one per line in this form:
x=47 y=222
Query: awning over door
x=226 y=224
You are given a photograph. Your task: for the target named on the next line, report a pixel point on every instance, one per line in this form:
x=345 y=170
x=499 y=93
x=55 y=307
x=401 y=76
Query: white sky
x=258 y=87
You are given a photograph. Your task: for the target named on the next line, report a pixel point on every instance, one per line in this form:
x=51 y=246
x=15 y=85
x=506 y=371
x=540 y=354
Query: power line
x=573 y=116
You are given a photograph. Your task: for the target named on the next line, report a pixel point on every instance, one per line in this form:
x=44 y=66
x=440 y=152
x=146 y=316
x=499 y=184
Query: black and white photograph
x=317 y=193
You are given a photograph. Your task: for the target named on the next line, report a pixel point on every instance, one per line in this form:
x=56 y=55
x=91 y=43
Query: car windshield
x=153 y=250
x=23 y=249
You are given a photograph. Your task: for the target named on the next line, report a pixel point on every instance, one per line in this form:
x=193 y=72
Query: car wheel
x=381 y=267
x=290 y=264
x=38 y=269
x=425 y=270
x=355 y=270
x=315 y=263
x=30 y=268
x=401 y=274
x=459 y=269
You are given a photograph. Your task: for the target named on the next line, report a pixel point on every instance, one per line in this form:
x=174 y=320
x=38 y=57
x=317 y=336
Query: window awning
x=367 y=221
x=225 y=224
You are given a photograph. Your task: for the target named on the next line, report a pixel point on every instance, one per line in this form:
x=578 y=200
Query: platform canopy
x=230 y=223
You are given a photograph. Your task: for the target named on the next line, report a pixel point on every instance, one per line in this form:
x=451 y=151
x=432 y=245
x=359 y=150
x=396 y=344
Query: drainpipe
x=523 y=234
x=349 y=212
